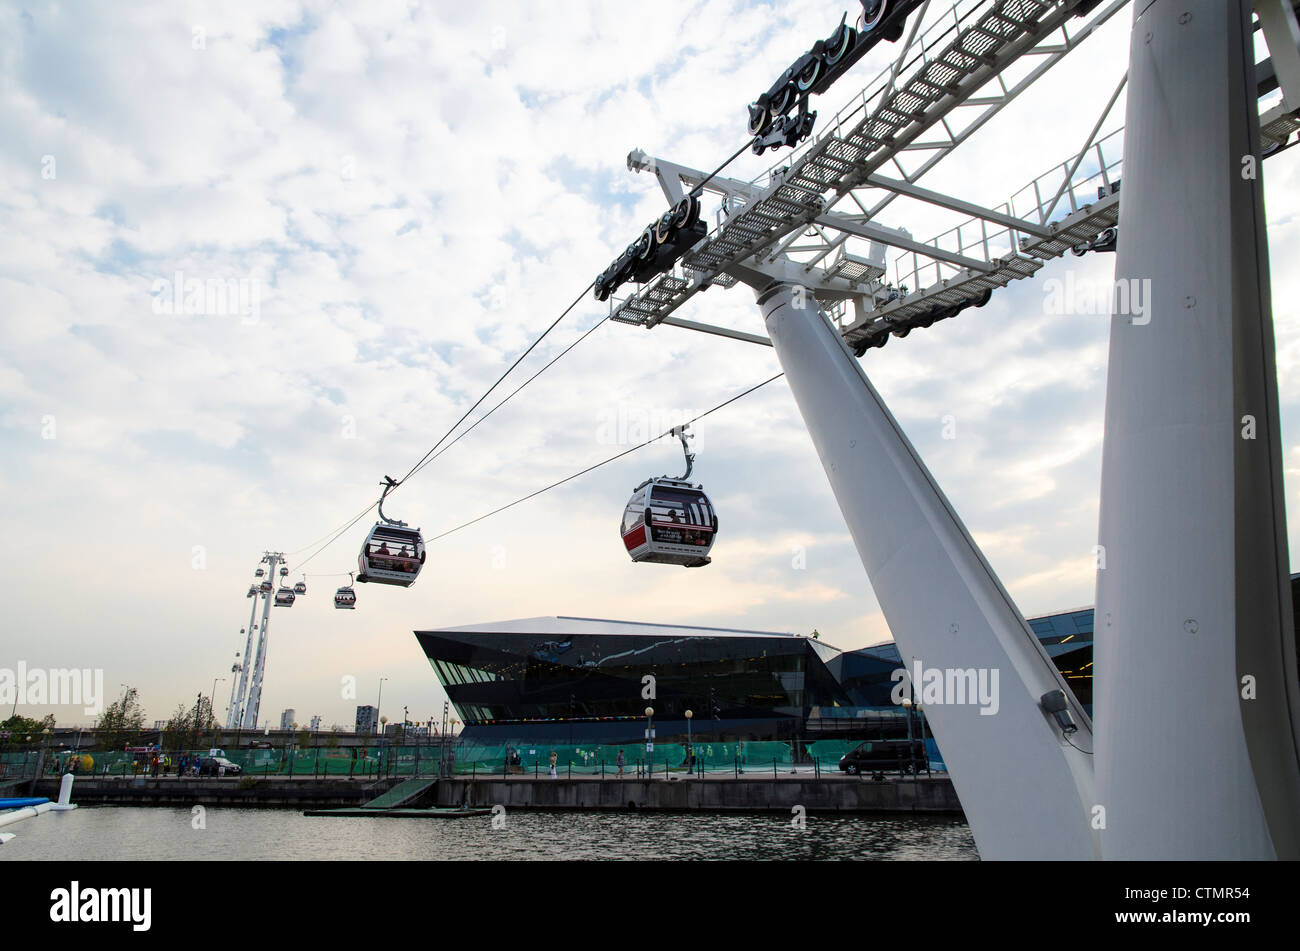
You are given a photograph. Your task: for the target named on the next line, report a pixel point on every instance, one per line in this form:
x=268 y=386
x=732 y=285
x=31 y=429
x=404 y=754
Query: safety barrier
x=465 y=758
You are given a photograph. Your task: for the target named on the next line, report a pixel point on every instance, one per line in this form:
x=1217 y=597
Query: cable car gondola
x=284 y=572
x=392 y=553
x=284 y=597
x=252 y=590
x=301 y=587
x=345 y=599
x=258 y=573
x=670 y=521
x=265 y=587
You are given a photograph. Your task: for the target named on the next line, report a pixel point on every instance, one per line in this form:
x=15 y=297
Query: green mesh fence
x=576 y=759
x=598 y=759
x=828 y=752
x=260 y=762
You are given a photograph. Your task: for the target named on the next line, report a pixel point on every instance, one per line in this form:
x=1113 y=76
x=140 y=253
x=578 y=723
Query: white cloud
x=419 y=189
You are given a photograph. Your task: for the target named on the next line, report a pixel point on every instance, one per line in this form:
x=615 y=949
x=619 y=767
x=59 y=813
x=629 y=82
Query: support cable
x=470 y=428
x=626 y=452
x=423 y=459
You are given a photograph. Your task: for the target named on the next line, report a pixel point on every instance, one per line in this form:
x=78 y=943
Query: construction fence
x=460 y=758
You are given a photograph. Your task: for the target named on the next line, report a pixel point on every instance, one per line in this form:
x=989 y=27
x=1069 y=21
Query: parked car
x=879 y=756
x=217 y=766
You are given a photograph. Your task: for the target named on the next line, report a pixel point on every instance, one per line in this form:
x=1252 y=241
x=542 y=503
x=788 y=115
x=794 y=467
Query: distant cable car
x=265 y=587
x=252 y=590
x=258 y=573
x=345 y=599
x=392 y=553
x=284 y=597
x=284 y=572
x=301 y=587
x=670 y=521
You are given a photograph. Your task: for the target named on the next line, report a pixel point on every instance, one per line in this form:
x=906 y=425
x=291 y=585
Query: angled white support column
x=254 y=702
x=235 y=714
x=1027 y=792
x=1281 y=26
x=1194 y=597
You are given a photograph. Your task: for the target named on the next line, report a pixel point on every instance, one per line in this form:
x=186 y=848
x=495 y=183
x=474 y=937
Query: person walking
x=621 y=761
x=554 y=759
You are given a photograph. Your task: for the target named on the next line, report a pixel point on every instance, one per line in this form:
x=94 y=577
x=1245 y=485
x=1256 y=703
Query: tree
x=21 y=728
x=189 y=725
x=122 y=721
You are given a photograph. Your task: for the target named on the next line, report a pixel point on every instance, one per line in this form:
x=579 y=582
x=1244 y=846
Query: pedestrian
x=621 y=761
x=554 y=759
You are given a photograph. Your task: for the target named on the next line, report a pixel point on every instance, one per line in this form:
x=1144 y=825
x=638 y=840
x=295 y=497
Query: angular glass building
x=556 y=678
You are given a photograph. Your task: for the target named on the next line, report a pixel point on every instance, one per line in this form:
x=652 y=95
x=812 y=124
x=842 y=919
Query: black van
x=879 y=756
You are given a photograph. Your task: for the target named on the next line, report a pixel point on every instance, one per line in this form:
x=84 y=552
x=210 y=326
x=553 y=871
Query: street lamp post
x=690 y=749
x=45 y=743
x=649 y=741
x=911 y=750
x=212 y=714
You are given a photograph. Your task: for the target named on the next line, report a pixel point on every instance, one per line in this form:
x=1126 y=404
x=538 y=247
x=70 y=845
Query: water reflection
x=247 y=834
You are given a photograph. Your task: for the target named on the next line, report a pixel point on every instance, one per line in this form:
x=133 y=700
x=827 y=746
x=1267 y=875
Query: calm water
x=133 y=832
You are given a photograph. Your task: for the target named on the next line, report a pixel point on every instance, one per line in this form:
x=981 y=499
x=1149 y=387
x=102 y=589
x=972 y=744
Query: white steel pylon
x=239 y=689
x=1025 y=786
x=1195 y=692
x=272 y=559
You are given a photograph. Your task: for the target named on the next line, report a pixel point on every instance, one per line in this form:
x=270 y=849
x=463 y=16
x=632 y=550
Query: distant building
x=160 y=724
x=408 y=730
x=367 y=719
x=315 y=724
x=288 y=718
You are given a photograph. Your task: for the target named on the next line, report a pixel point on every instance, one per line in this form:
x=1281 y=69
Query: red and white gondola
x=345 y=599
x=392 y=553
x=670 y=521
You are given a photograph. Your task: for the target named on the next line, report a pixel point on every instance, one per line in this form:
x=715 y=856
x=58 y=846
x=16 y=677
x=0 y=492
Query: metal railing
x=976 y=238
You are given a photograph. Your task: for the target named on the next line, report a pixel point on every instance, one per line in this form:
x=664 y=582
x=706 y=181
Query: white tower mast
x=272 y=559
x=239 y=685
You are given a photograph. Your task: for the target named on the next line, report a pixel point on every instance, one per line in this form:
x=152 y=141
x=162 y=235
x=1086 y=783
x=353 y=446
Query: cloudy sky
x=409 y=193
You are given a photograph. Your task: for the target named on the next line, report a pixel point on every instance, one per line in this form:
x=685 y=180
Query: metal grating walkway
x=841 y=159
